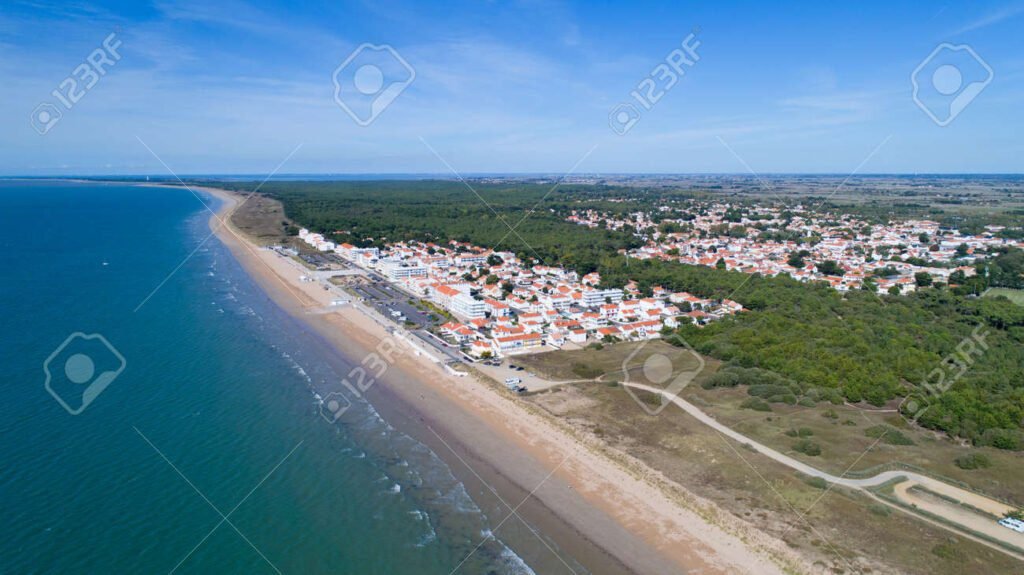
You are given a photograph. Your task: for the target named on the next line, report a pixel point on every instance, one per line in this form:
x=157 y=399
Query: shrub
x=830 y=413
x=756 y=403
x=1001 y=438
x=734 y=375
x=949 y=552
x=816 y=482
x=802 y=432
x=586 y=371
x=767 y=390
x=724 y=378
x=880 y=510
x=807 y=447
x=973 y=461
x=890 y=435
x=654 y=399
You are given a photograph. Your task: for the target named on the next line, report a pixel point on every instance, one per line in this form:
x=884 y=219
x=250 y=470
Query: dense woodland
x=799 y=343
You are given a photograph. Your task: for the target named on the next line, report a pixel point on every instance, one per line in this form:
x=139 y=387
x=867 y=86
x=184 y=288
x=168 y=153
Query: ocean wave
x=418 y=478
x=515 y=563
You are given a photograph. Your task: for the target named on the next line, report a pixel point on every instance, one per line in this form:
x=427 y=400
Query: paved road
x=452 y=352
x=326 y=274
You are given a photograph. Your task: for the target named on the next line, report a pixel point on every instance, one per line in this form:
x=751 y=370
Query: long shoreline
x=610 y=518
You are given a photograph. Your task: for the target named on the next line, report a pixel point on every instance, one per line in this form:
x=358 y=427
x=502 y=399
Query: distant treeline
x=527 y=219
x=800 y=342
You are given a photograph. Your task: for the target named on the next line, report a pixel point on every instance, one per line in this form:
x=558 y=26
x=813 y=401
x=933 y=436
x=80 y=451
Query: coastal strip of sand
x=609 y=512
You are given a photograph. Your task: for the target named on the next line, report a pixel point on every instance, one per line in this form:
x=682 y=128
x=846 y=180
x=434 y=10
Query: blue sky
x=235 y=87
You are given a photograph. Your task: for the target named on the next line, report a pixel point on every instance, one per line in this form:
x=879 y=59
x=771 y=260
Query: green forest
x=799 y=342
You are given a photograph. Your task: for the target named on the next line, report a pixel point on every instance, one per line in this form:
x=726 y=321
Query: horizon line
x=449 y=176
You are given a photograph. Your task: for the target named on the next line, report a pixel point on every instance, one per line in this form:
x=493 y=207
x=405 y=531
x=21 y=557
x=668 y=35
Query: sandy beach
x=607 y=510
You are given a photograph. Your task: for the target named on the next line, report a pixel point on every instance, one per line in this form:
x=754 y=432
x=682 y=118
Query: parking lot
x=502 y=372
x=385 y=298
x=324 y=261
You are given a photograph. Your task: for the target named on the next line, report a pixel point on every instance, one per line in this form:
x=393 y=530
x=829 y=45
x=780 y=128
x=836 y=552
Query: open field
x=611 y=361
x=1014 y=295
x=261 y=219
x=845 y=531
x=860 y=446
x=839 y=430
x=847 y=447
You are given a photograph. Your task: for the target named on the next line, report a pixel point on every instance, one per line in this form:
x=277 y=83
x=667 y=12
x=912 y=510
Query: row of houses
x=499 y=305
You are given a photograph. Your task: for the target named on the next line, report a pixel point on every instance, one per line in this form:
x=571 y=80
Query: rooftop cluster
x=499 y=305
x=845 y=251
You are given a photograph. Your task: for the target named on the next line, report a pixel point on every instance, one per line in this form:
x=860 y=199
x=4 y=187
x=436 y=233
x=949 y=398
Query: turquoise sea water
x=212 y=415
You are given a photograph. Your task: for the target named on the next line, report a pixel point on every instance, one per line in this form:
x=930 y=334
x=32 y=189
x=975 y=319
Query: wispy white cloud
x=993 y=17
x=243 y=16
x=512 y=86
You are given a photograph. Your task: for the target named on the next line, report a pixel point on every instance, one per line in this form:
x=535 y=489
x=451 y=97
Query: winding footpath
x=972 y=521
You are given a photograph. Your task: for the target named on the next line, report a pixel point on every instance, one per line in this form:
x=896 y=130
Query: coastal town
x=513 y=288
x=497 y=304
x=844 y=250
x=501 y=306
